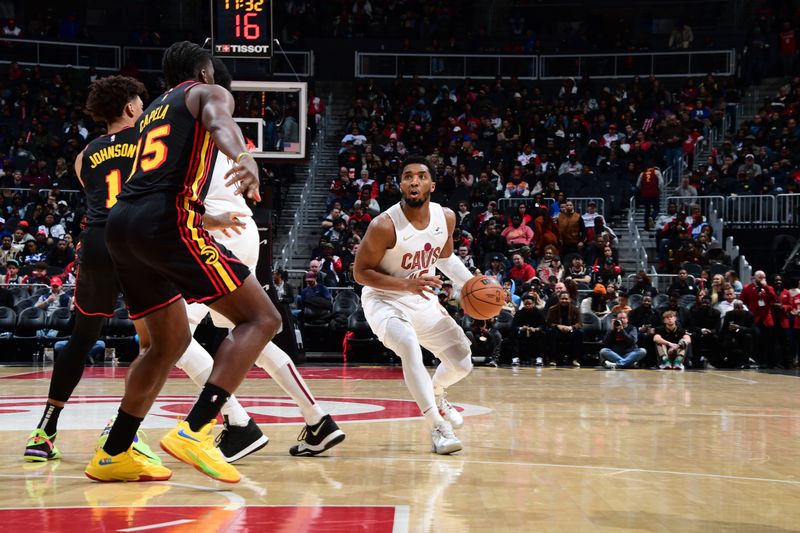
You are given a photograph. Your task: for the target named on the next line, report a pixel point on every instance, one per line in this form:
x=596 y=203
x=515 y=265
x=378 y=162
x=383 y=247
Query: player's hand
x=244 y=175
x=424 y=285
x=228 y=223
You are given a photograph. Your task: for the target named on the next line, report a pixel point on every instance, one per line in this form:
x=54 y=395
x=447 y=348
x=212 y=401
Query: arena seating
x=497 y=146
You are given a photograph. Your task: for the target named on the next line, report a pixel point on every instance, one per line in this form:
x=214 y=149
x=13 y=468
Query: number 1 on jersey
x=114 y=182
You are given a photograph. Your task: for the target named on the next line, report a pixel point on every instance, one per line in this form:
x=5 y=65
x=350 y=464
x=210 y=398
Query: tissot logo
x=243 y=48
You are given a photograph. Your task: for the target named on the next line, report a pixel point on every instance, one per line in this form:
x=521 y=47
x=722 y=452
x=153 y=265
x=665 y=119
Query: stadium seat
x=503 y=324
x=592 y=326
x=593 y=332
x=8 y=321
x=361 y=341
x=26 y=334
x=120 y=334
x=345 y=304
x=687 y=301
x=346 y=295
x=61 y=322
x=316 y=329
x=22 y=305
x=20 y=292
x=660 y=300
x=39 y=292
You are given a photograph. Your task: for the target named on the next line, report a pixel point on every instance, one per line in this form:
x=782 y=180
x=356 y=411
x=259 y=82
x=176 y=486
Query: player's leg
x=152 y=297
x=96 y=291
x=321 y=432
x=197 y=363
x=448 y=342
x=279 y=365
x=169 y=335
x=256 y=321
x=67 y=372
x=393 y=328
x=139 y=444
x=241 y=436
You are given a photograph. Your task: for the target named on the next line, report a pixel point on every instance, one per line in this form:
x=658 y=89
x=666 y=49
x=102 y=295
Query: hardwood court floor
x=548 y=450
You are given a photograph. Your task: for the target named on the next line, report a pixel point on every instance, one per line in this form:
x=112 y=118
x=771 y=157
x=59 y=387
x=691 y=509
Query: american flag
x=647 y=124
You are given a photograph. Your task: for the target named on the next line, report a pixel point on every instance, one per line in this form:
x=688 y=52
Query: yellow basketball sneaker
x=197 y=448
x=139 y=443
x=126 y=466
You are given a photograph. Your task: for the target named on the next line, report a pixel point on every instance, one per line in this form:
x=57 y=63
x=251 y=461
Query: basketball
x=482 y=298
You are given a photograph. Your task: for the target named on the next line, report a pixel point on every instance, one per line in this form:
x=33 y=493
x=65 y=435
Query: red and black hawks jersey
x=175 y=151
x=107 y=162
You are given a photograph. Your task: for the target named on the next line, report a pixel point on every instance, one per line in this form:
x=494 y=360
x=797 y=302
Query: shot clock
x=241 y=28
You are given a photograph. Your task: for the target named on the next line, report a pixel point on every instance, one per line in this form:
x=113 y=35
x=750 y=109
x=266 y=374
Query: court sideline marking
x=237 y=501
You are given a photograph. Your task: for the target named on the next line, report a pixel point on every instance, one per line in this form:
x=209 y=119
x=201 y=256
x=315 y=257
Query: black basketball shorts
x=162 y=252
x=96 y=284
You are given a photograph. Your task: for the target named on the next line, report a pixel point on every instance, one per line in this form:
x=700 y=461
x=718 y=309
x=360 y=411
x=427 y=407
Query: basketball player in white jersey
x=397 y=262
x=230 y=221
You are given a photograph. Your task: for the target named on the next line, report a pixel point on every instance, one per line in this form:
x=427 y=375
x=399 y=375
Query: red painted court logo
x=93 y=412
x=370 y=519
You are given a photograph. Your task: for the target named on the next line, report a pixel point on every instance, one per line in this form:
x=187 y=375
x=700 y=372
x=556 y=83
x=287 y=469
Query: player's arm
x=79 y=167
x=214 y=106
x=450 y=265
x=380 y=237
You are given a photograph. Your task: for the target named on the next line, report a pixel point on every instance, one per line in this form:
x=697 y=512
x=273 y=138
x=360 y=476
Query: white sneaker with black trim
x=449 y=412
x=444 y=440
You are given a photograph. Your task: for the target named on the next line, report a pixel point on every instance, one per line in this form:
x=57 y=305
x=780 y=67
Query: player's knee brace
x=400 y=338
x=272 y=358
x=459 y=358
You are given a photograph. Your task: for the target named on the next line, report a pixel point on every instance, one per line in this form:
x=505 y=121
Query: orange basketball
x=482 y=298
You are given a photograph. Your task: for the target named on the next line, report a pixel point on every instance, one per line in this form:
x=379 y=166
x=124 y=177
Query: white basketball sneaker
x=444 y=440
x=449 y=412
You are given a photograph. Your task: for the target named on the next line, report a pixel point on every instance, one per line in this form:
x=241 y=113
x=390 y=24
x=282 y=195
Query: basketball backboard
x=273 y=114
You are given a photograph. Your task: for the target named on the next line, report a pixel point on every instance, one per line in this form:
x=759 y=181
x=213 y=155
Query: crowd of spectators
x=509 y=157
x=42 y=129
x=508 y=160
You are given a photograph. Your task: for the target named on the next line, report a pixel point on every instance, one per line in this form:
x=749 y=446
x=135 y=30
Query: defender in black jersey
x=162 y=251
x=101 y=168
x=103 y=164
x=156 y=235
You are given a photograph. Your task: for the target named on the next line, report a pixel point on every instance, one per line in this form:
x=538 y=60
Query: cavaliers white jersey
x=415 y=252
x=219 y=198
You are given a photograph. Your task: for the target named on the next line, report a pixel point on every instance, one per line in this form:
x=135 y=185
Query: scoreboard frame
x=225 y=15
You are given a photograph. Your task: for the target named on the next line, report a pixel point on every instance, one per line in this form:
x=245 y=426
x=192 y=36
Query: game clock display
x=241 y=28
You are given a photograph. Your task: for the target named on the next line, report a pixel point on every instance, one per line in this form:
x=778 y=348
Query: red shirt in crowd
x=759 y=300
